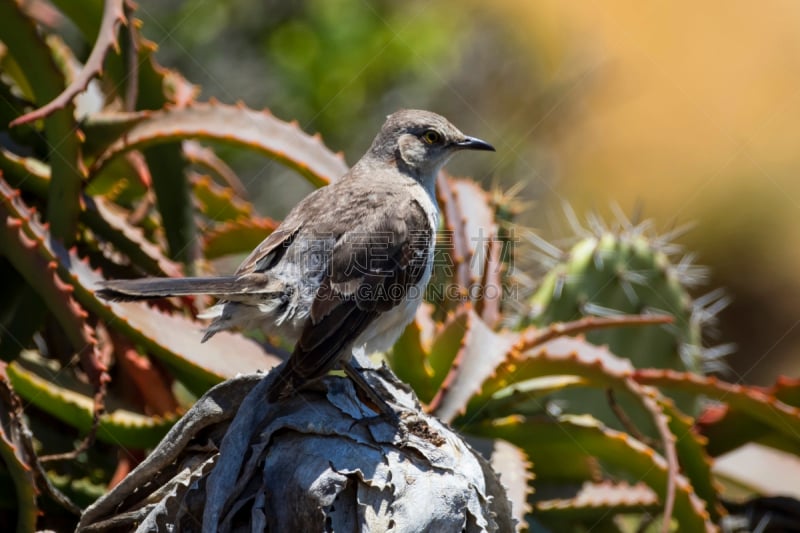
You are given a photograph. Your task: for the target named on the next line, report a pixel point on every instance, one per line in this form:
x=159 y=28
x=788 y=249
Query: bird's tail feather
x=127 y=290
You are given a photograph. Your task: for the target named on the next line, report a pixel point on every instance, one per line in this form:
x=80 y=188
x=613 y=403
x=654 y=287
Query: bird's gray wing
x=370 y=272
x=250 y=277
x=270 y=251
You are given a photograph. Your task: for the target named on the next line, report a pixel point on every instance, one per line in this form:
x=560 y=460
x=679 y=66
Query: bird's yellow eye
x=431 y=136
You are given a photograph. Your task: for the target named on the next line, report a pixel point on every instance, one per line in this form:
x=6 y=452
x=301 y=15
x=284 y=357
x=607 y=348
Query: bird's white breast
x=387 y=328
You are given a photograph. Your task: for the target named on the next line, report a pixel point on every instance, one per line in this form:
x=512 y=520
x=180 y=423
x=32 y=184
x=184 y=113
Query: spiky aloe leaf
x=102 y=217
x=786 y=390
x=25 y=173
x=53 y=391
x=764 y=408
x=172 y=338
x=19 y=33
x=544 y=440
x=694 y=459
x=87 y=15
x=568 y=356
x=15 y=457
x=448 y=342
x=208 y=161
x=213 y=121
x=514 y=470
x=112 y=17
x=22 y=251
x=726 y=427
x=478 y=351
x=236 y=236
x=545 y=352
x=409 y=355
x=469 y=253
x=468 y=221
x=111 y=223
x=216 y=202
x=23 y=316
x=595 y=502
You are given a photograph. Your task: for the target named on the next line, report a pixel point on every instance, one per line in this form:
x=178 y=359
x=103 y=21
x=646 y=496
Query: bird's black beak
x=473 y=143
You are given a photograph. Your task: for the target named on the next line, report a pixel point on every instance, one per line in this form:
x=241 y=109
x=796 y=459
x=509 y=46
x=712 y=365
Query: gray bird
x=348 y=266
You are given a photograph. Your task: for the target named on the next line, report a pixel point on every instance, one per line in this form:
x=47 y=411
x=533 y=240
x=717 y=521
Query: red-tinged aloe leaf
x=475 y=219
x=102 y=129
x=585 y=435
x=174 y=201
x=450 y=338
x=726 y=429
x=409 y=355
x=595 y=501
x=236 y=236
x=470 y=243
x=490 y=296
x=85 y=15
x=606 y=363
x=563 y=355
x=158 y=87
x=236 y=125
x=26 y=173
x=597 y=365
x=51 y=390
x=19 y=33
x=173 y=339
x=14 y=456
x=787 y=390
x=40 y=274
x=125 y=180
x=113 y=16
x=695 y=462
x=152 y=384
x=768 y=410
x=110 y=222
x=454 y=241
x=43 y=13
x=207 y=159
x=217 y=202
x=479 y=352
x=13 y=104
x=102 y=217
x=22 y=316
x=512 y=466
x=22 y=251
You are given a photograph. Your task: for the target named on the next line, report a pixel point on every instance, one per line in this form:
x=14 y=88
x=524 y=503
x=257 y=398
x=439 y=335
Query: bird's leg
x=383 y=407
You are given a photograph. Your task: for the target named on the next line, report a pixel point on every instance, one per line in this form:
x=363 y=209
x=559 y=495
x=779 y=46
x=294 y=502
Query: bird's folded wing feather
x=371 y=271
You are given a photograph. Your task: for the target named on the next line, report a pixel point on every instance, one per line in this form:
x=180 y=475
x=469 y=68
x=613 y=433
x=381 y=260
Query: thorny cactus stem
x=319 y=461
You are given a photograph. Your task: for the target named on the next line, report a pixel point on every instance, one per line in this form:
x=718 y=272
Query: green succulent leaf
x=545 y=440
x=216 y=202
x=14 y=456
x=19 y=33
x=238 y=236
x=409 y=356
x=235 y=125
x=51 y=390
x=763 y=408
x=171 y=338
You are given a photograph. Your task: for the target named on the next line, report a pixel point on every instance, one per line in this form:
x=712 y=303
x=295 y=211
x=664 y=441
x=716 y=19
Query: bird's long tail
x=127 y=290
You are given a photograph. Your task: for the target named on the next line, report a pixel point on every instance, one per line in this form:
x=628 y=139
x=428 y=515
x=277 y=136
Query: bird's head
x=421 y=142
